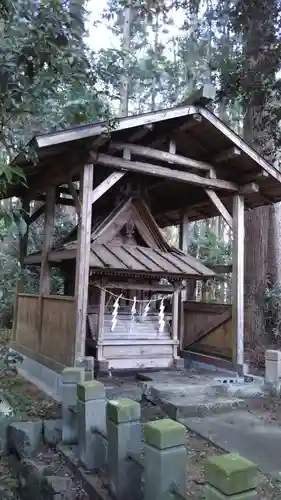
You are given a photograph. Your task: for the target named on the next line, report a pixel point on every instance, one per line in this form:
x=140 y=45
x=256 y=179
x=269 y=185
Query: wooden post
x=175 y=321
x=238 y=284
x=183 y=245
x=83 y=259
x=45 y=271
x=100 y=329
x=23 y=240
x=45 y=277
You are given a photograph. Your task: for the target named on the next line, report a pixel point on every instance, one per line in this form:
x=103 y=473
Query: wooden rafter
x=106 y=185
x=220 y=206
x=226 y=155
x=163 y=156
x=36 y=214
x=164 y=172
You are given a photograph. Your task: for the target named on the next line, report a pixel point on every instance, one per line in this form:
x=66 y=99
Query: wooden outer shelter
x=183 y=162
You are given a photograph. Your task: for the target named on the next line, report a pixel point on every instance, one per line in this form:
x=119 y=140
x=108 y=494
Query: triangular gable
x=134 y=216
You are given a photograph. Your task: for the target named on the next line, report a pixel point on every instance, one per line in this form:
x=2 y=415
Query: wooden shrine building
x=132 y=269
x=123 y=300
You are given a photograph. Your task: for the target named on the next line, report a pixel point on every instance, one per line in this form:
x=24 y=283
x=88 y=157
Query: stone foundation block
x=231 y=474
x=165 y=459
x=273 y=368
x=69 y=426
x=91 y=424
x=211 y=493
x=69 y=396
x=124 y=441
x=57 y=488
x=88 y=364
x=24 y=438
x=52 y=431
x=73 y=375
x=178 y=363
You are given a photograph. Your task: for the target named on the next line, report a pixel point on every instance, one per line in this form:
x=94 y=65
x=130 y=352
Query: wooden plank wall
x=57 y=324
x=58 y=329
x=26 y=332
x=207 y=328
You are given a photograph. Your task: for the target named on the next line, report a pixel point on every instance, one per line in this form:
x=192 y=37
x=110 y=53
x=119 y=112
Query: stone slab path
x=245 y=433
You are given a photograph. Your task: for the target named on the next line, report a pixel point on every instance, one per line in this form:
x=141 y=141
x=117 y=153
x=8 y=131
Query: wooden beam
x=205 y=95
x=126 y=123
x=136 y=286
x=220 y=206
x=254 y=177
x=83 y=259
x=250 y=188
x=105 y=185
x=165 y=172
x=164 y=156
x=238 y=284
x=226 y=155
x=75 y=197
x=45 y=278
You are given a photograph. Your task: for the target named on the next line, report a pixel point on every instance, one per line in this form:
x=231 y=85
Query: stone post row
x=124 y=441
x=230 y=477
x=164 y=459
x=70 y=377
x=92 y=448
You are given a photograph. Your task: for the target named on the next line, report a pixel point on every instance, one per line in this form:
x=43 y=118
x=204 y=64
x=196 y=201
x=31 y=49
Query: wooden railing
x=46 y=325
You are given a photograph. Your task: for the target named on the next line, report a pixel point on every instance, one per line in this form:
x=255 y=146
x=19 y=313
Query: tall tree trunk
x=257 y=80
x=124 y=93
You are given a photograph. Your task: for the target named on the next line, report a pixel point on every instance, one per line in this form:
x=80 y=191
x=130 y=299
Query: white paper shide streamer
x=115 y=313
x=134 y=308
x=161 y=316
x=145 y=311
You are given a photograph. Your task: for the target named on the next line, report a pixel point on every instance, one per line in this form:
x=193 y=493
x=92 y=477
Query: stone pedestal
x=230 y=477
x=91 y=424
x=124 y=448
x=164 y=459
x=273 y=370
x=70 y=378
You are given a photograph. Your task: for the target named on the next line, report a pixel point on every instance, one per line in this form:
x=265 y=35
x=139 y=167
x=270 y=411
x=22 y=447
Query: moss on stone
x=89 y=390
x=231 y=473
x=123 y=410
x=165 y=433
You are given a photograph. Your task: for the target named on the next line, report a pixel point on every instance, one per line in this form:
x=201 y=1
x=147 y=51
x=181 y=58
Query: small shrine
x=135 y=280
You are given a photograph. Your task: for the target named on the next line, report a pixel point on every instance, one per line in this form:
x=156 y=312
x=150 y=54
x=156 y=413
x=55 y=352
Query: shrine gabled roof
x=198 y=134
x=154 y=257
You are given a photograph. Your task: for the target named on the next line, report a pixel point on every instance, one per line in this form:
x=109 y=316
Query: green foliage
x=270 y=305
x=209 y=248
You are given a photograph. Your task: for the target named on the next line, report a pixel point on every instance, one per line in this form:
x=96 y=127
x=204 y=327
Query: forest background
x=63 y=65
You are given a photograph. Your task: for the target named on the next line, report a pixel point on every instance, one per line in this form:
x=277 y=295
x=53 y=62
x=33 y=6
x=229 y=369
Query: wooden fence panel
x=207 y=328
x=58 y=328
x=26 y=321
